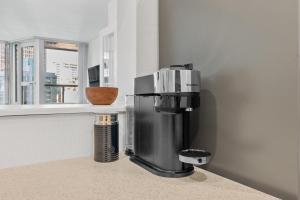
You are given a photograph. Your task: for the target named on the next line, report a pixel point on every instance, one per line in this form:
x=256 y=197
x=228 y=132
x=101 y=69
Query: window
x=3 y=73
x=44 y=71
x=108 y=60
x=61 y=77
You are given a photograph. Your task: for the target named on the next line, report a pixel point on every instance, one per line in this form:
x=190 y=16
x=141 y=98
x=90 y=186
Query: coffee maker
x=163 y=104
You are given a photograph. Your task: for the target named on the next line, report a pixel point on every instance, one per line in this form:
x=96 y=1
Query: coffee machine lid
x=177 y=79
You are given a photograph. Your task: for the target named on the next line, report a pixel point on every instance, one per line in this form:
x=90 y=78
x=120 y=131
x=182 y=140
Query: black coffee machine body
x=163 y=104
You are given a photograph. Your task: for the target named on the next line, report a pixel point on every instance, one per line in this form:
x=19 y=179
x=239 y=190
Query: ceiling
x=78 y=20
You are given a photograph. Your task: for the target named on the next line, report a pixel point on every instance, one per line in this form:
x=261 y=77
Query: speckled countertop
x=83 y=179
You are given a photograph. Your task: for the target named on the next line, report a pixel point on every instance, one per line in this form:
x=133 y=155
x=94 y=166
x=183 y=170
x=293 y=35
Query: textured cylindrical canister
x=106 y=140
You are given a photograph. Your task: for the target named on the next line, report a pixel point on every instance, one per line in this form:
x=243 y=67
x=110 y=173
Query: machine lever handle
x=186 y=66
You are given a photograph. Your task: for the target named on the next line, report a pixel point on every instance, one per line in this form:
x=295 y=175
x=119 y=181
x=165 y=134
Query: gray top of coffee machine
x=177 y=79
x=172 y=80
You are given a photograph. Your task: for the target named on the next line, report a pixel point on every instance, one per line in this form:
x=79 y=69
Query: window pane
x=3 y=74
x=27 y=81
x=108 y=60
x=61 y=79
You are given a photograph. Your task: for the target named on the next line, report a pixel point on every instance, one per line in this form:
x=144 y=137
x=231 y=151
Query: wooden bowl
x=101 y=95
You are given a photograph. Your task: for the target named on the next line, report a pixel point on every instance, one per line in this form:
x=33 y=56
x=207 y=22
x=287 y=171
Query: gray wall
x=247 y=53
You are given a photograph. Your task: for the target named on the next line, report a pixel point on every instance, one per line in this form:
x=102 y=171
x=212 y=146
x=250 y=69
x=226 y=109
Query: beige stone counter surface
x=83 y=179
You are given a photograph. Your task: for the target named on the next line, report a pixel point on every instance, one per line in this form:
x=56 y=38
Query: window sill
x=24 y=110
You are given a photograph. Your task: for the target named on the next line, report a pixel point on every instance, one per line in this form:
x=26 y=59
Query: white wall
x=147 y=37
x=94 y=52
x=33 y=139
x=127 y=53
x=78 y=20
x=95 y=49
x=111 y=28
x=135 y=26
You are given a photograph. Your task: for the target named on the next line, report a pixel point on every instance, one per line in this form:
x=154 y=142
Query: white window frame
x=7 y=71
x=35 y=83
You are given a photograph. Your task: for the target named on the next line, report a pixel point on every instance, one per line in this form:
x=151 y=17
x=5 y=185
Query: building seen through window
x=61 y=78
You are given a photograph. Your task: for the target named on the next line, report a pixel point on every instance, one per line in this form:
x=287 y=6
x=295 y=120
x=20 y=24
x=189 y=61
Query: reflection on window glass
x=61 y=79
x=3 y=74
x=108 y=60
x=27 y=82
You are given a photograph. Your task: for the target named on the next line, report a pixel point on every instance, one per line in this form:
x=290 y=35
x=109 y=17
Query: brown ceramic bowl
x=101 y=95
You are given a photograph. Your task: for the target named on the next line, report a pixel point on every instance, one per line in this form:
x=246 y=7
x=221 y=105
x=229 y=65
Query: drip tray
x=194 y=157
